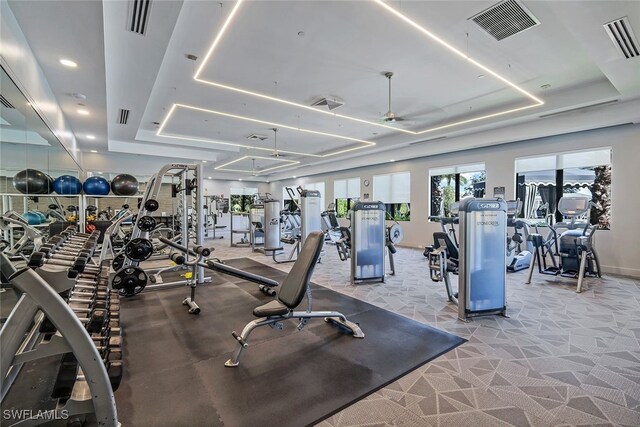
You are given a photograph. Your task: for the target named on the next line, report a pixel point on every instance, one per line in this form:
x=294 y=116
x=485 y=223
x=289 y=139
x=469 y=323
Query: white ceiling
x=295 y=52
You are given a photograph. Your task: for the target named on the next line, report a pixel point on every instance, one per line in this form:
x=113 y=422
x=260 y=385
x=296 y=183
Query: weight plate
x=146 y=223
x=395 y=234
x=151 y=205
x=118 y=262
x=139 y=249
x=129 y=281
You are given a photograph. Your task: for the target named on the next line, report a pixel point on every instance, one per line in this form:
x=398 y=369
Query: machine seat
x=272 y=308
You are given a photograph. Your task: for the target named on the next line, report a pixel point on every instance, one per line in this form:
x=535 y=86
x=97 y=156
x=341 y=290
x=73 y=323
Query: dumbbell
x=57 y=246
x=38 y=259
x=71 y=240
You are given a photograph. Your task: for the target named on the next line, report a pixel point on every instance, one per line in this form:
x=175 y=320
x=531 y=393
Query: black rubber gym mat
x=175 y=373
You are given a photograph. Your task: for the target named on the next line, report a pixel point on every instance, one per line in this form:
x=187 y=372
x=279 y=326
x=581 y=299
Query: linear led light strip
x=278 y=125
x=412 y=23
x=289 y=163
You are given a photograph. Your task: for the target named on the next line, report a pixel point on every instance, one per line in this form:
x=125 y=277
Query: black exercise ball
x=124 y=185
x=32 y=181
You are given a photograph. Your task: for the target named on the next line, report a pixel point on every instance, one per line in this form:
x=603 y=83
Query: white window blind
x=243 y=191
x=346 y=188
x=578 y=159
x=452 y=170
x=585 y=159
x=392 y=188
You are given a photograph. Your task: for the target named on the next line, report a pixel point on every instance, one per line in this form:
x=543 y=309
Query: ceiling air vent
x=123 y=116
x=622 y=36
x=330 y=103
x=428 y=140
x=138 y=16
x=505 y=19
x=5 y=103
x=257 y=137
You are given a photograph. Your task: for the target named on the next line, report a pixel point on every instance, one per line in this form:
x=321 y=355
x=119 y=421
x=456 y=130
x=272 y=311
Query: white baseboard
x=622 y=271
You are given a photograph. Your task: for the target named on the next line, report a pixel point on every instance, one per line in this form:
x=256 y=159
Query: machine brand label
x=494 y=223
x=488 y=205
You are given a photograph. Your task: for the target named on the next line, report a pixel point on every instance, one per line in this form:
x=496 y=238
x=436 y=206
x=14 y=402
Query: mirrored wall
x=31 y=158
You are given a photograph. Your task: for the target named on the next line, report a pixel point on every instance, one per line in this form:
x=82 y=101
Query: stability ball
x=32 y=181
x=43 y=217
x=32 y=218
x=96 y=186
x=67 y=184
x=124 y=185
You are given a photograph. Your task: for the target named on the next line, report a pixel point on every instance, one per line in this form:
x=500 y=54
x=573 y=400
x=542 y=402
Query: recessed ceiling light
x=481 y=76
x=83 y=112
x=294 y=176
x=91 y=137
x=392 y=160
x=301 y=33
x=94 y=151
x=68 y=63
x=239 y=179
x=545 y=86
x=209 y=177
x=204 y=161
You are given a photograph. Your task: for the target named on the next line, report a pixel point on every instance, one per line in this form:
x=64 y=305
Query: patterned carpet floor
x=561 y=358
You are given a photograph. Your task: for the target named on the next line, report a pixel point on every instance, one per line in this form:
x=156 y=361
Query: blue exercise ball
x=67 y=184
x=32 y=181
x=43 y=217
x=32 y=218
x=124 y=185
x=96 y=186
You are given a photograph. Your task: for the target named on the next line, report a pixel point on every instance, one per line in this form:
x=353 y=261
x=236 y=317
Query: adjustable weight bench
x=292 y=291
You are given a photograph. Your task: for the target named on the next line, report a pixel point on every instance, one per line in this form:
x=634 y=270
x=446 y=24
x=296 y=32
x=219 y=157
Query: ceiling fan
x=275 y=153
x=390 y=116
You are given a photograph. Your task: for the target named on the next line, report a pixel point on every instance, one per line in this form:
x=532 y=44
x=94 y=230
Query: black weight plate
x=129 y=281
x=151 y=205
x=146 y=223
x=118 y=262
x=139 y=249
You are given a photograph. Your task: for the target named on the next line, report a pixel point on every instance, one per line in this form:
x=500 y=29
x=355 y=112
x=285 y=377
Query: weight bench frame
x=292 y=291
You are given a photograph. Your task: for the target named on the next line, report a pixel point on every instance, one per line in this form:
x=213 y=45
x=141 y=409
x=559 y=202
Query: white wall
x=618 y=248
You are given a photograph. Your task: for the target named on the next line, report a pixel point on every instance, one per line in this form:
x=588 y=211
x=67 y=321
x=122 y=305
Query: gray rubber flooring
x=175 y=373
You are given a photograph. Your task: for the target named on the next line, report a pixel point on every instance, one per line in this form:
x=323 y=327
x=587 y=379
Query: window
x=538 y=180
x=345 y=192
x=241 y=199
x=394 y=190
x=286 y=199
x=453 y=183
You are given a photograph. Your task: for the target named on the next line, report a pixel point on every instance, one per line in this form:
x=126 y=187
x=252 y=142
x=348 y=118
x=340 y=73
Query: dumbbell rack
x=77 y=320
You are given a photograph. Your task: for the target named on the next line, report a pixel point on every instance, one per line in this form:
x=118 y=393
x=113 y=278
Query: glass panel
x=537 y=190
x=472 y=184
x=595 y=183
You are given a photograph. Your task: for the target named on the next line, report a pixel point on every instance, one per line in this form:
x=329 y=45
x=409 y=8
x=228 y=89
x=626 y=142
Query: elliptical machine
x=576 y=253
